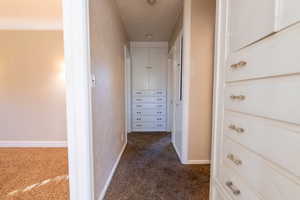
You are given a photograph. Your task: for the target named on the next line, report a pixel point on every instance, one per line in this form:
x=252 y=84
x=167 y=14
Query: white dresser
x=149 y=86
x=256 y=128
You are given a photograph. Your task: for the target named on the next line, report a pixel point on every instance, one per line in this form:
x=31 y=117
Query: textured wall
x=107 y=41
x=201 y=78
x=32 y=90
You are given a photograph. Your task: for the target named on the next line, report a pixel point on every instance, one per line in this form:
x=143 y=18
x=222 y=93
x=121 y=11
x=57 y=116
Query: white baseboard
x=112 y=173
x=33 y=144
x=198 y=162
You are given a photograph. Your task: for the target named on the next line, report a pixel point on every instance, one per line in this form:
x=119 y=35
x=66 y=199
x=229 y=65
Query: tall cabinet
x=149 y=86
x=256 y=130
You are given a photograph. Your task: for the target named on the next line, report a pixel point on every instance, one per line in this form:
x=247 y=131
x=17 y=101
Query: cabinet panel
x=250 y=20
x=288 y=13
x=140 y=62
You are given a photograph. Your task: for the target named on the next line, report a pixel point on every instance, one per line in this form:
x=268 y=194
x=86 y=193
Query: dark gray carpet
x=150 y=170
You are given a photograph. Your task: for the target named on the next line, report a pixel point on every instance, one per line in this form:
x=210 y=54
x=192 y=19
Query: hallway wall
x=108 y=38
x=201 y=78
x=32 y=87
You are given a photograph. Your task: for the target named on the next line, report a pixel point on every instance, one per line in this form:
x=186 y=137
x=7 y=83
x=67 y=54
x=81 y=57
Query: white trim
x=78 y=98
x=186 y=77
x=102 y=194
x=149 y=44
x=177 y=152
x=33 y=144
x=127 y=65
x=198 y=162
x=218 y=101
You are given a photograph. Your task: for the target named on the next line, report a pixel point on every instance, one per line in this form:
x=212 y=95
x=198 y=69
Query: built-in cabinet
x=149 y=86
x=256 y=132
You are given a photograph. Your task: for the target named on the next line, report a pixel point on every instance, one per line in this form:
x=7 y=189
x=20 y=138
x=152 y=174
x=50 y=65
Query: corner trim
x=177 y=152
x=33 y=144
x=103 y=192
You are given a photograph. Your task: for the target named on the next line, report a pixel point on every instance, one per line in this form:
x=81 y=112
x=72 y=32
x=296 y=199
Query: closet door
x=140 y=68
x=158 y=68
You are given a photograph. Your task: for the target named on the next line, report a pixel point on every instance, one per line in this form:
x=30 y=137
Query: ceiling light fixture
x=149 y=36
x=151 y=2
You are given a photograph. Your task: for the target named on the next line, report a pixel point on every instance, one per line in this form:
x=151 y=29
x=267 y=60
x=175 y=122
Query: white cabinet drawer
x=267 y=58
x=145 y=125
x=235 y=186
x=149 y=112
x=149 y=118
x=148 y=106
x=266 y=137
x=275 y=98
x=259 y=174
x=149 y=100
x=217 y=195
x=250 y=20
x=149 y=93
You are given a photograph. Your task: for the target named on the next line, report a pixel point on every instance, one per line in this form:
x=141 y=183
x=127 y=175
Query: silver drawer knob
x=235 y=160
x=238 y=97
x=237 y=129
x=233 y=188
x=239 y=65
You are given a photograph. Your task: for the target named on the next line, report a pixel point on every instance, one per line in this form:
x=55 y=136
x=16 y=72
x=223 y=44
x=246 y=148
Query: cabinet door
x=158 y=59
x=140 y=64
x=250 y=20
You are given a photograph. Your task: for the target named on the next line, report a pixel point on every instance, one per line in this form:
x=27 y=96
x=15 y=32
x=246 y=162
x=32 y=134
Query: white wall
x=32 y=86
x=107 y=55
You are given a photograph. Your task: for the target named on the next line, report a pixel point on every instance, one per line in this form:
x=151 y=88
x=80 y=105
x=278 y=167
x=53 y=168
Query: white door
x=177 y=95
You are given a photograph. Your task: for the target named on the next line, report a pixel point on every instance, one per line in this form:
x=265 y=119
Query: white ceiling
x=31 y=14
x=140 y=18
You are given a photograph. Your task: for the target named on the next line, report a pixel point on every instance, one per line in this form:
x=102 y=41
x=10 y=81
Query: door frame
x=78 y=98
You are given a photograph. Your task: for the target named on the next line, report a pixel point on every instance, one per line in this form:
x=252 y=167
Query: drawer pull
x=234 y=159
x=238 y=97
x=233 y=188
x=138 y=99
x=238 y=65
x=237 y=129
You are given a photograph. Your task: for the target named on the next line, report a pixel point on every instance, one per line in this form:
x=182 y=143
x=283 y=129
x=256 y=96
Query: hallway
x=150 y=170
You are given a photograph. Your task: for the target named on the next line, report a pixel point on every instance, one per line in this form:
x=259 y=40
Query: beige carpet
x=33 y=174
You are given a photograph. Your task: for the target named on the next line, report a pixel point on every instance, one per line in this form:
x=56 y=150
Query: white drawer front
x=288 y=13
x=149 y=112
x=259 y=174
x=148 y=106
x=149 y=100
x=267 y=58
x=149 y=119
x=275 y=98
x=228 y=177
x=145 y=125
x=250 y=20
x=266 y=137
x=149 y=93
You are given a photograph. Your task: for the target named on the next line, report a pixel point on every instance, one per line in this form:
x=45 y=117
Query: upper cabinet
x=149 y=66
x=252 y=20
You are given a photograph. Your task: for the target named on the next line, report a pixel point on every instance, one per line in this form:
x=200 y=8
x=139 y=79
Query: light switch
x=93 y=80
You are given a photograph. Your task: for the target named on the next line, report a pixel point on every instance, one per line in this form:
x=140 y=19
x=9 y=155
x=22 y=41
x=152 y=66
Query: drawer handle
x=138 y=99
x=237 y=129
x=234 y=159
x=238 y=97
x=239 y=65
x=138 y=112
x=139 y=119
x=233 y=188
